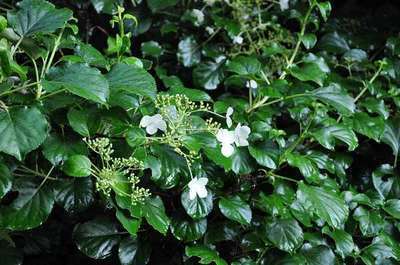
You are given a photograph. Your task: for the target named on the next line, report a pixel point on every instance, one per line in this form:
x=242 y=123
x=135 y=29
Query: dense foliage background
x=199 y=132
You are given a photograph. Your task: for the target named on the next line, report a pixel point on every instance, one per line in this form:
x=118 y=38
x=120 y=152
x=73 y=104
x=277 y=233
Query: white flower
x=284 y=4
x=228 y=115
x=197 y=186
x=153 y=123
x=199 y=16
x=237 y=40
x=226 y=138
x=251 y=84
x=210 y=30
x=241 y=135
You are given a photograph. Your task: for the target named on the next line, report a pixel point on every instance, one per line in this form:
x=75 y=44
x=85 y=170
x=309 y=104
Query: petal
x=144 y=122
x=227 y=150
x=229 y=122
x=151 y=129
x=162 y=126
x=202 y=181
x=192 y=194
x=202 y=192
x=229 y=111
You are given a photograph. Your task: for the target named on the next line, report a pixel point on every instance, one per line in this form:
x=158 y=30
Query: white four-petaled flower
x=228 y=115
x=237 y=137
x=197 y=187
x=237 y=40
x=227 y=139
x=153 y=123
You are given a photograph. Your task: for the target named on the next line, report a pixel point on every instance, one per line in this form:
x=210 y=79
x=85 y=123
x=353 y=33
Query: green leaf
x=242 y=65
x=132 y=79
x=370 y=222
x=333 y=95
x=285 y=234
x=152 y=48
x=37 y=16
x=133 y=251
x=5 y=180
x=130 y=224
x=187 y=231
x=91 y=55
x=58 y=149
x=77 y=166
x=392 y=207
x=306 y=166
x=188 y=52
x=192 y=94
x=197 y=141
x=209 y=74
x=327 y=136
x=355 y=55
x=206 y=255
x=374 y=105
x=172 y=166
x=325 y=9
x=343 y=240
x=242 y=162
x=382 y=183
x=309 y=40
x=326 y=204
x=372 y=127
x=22 y=130
x=319 y=255
x=333 y=42
x=85 y=122
x=79 y=79
x=135 y=137
x=155 y=215
x=157 y=5
x=30 y=209
x=310 y=71
x=264 y=154
x=75 y=195
x=198 y=207
x=234 y=208
x=96 y=238
x=391 y=136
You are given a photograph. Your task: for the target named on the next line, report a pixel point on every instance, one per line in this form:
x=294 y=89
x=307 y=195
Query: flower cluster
x=117 y=174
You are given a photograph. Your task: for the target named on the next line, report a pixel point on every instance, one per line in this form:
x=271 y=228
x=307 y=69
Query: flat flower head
x=228 y=115
x=241 y=135
x=153 y=123
x=197 y=187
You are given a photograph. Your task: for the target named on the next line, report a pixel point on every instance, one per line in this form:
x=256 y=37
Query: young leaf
x=77 y=166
